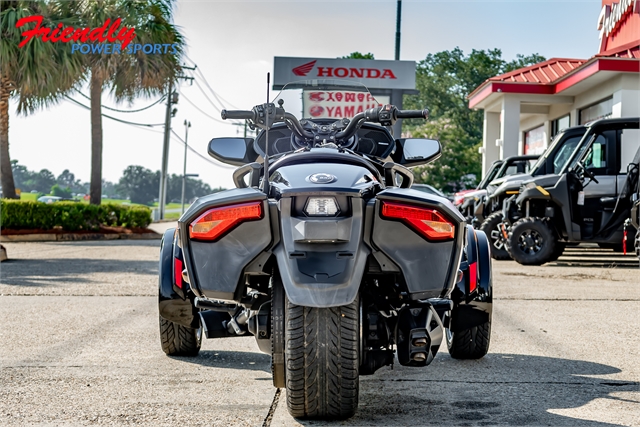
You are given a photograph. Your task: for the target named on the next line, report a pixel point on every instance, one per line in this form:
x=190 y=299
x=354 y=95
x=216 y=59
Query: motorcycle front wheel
x=322 y=359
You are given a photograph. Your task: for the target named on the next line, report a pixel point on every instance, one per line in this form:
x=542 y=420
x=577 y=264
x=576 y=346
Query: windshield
x=326 y=98
x=562 y=154
x=489 y=176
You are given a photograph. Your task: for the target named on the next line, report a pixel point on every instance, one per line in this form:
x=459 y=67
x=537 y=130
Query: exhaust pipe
x=419 y=334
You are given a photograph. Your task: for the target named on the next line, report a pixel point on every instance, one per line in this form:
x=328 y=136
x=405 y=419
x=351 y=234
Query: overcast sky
x=233 y=43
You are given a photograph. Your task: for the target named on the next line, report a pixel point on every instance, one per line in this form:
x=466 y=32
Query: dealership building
x=525 y=108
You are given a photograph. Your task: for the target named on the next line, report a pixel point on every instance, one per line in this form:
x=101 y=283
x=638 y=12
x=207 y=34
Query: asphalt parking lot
x=79 y=345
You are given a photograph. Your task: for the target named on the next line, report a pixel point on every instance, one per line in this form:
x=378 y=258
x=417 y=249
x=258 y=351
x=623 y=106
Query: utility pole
x=165 y=153
x=396 y=94
x=398 y=19
x=187 y=125
x=172 y=98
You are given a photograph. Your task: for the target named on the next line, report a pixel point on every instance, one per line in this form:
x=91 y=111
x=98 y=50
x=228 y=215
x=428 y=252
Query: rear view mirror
x=232 y=151
x=416 y=151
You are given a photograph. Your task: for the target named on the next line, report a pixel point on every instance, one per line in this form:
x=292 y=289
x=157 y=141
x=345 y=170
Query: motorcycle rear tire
x=178 y=340
x=472 y=343
x=490 y=226
x=322 y=347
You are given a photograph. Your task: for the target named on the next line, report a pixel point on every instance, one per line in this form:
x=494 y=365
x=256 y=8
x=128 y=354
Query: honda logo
x=303 y=70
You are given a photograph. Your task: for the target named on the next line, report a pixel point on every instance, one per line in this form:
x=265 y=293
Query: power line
x=218 y=109
x=222 y=165
x=113 y=118
x=215 y=94
x=126 y=111
x=206 y=114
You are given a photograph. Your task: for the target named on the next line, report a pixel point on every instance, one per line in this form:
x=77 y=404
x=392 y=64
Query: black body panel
x=321 y=274
x=473 y=307
x=173 y=303
x=429 y=268
x=216 y=267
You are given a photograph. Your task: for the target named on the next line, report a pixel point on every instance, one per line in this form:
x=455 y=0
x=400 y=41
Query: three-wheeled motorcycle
x=324 y=253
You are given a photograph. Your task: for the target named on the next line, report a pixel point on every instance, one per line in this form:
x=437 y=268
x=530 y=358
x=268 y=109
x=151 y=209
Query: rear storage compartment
x=428 y=260
x=221 y=234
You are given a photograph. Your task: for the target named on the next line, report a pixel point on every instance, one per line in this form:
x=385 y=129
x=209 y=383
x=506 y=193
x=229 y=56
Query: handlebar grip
x=413 y=114
x=237 y=114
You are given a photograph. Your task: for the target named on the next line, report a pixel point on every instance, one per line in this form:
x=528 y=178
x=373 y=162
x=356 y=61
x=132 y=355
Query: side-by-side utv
x=488 y=209
x=589 y=200
x=635 y=218
x=513 y=165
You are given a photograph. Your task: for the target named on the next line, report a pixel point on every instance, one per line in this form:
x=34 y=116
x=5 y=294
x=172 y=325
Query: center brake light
x=216 y=222
x=426 y=221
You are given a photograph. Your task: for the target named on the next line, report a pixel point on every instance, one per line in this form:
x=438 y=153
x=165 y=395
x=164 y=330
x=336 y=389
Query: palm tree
x=37 y=75
x=128 y=75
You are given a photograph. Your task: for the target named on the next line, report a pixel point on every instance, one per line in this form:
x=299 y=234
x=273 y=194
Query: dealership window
x=600 y=110
x=535 y=141
x=560 y=123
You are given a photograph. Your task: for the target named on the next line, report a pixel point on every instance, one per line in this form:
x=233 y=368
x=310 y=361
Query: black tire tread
x=551 y=239
x=472 y=343
x=637 y=244
x=487 y=226
x=322 y=360
x=178 y=340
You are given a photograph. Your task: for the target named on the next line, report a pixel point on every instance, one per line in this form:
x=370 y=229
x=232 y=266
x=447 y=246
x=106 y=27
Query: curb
x=70 y=237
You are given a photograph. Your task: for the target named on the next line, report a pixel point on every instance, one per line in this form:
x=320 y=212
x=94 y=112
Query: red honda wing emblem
x=303 y=70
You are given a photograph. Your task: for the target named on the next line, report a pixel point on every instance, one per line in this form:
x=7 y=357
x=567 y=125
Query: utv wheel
x=560 y=247
x=491 y=227
x=470 y=343
x=322 y=359
x=178 y=340
x=531 y=242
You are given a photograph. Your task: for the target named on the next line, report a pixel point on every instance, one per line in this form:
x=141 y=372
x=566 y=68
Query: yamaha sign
x=374 y=74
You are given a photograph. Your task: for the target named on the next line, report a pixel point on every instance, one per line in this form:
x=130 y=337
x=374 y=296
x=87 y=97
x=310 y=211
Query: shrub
x=71 y=216
x=56 y=190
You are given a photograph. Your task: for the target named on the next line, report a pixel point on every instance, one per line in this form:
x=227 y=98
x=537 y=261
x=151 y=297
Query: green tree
x=444 y=80
x=127 y=75
x=20 y=175
x=139 y=184
x=35 y=75
x=358 y=55
x=64 y=192
x=460 y=157
x=41 y=181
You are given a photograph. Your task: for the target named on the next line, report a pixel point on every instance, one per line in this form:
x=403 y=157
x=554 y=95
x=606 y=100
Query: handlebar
x=237 y=114
x=385 y=115
x=413 y=114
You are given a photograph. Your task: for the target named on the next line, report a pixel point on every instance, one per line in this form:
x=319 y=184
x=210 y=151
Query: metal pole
x=165 y=155
x=187 y=125
x=398 y=19
x=396 y=94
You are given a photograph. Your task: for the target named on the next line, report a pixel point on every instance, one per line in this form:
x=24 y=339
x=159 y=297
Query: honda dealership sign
x=372 y=73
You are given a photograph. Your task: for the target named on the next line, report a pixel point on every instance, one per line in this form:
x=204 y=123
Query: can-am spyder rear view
x=333 y=263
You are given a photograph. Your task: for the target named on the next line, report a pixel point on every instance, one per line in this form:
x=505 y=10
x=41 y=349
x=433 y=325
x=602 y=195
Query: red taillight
x=473 y=276
x=216 y=222
x=177 y=271
x=428 y=222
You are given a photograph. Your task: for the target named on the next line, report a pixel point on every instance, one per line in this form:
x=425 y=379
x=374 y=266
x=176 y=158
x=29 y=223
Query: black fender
x=536 y=193
x=635 y=218
x=473 y=295
x=174 y=302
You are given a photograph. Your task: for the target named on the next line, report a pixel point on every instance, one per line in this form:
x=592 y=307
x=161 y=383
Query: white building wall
x=624 y=88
